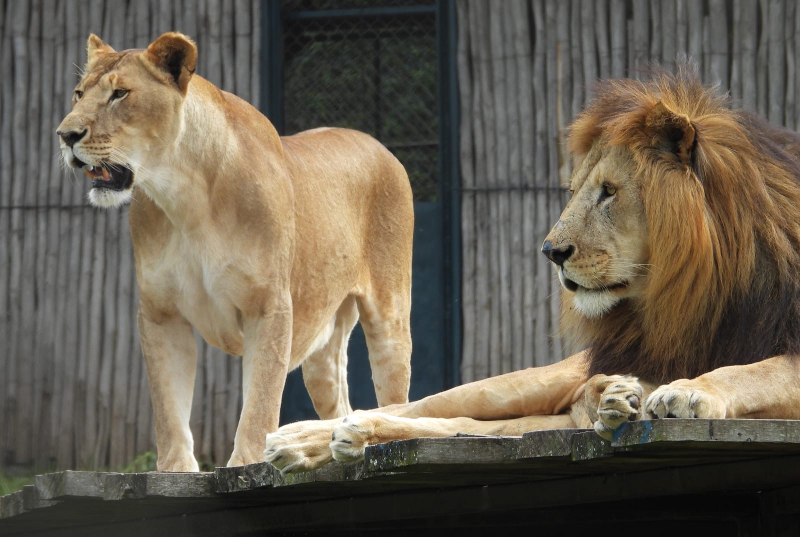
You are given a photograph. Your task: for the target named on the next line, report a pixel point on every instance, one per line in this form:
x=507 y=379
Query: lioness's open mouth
x=110 y=176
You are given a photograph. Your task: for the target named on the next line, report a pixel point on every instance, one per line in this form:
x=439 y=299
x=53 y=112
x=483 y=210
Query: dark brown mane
x=724 y=228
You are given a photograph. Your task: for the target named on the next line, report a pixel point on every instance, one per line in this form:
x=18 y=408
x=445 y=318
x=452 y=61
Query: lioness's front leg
x=542 y=392
x=170 y=355
x=267 y=348
x=766 y=389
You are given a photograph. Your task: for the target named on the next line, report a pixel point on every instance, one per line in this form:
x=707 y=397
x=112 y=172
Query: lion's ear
x=177 y=55
x=671 y=132
x=94 y=49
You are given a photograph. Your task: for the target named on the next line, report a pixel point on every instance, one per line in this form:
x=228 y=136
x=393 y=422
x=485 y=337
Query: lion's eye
x=118 y=94
x=609 y=190
x=78 y=95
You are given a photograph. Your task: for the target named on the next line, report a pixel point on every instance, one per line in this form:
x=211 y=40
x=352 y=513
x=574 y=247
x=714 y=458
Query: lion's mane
x=724 y=233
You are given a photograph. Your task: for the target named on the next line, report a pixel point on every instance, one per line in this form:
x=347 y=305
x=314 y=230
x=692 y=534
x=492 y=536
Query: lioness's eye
x=118 y=94
x=78 y=95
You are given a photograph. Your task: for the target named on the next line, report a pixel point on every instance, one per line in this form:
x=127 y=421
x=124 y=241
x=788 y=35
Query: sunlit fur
x=724 y=230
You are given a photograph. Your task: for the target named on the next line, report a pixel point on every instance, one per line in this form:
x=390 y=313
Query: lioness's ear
x=672 y=132
x=177 y=55
x=94 y=49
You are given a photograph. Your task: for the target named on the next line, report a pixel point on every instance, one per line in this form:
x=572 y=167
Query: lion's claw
x=620 y=402
x=681 y=399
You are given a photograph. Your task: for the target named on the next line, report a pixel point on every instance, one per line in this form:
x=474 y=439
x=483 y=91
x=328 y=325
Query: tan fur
x=270 y=248
x=680 y=254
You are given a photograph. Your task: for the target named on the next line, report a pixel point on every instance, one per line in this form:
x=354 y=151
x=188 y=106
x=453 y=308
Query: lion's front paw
x=351 y=437
x=620 y=402
x=301 y=446
x=683 y=399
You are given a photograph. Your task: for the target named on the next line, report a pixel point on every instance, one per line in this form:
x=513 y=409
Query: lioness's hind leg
x=385 y=318
x=325 y=371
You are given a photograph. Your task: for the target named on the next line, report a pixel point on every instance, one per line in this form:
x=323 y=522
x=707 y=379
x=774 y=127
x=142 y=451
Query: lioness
x=679 y=254
x=271 y=248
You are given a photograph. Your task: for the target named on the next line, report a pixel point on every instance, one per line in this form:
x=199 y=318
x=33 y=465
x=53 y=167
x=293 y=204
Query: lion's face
x=599 y=245
x=126 y=112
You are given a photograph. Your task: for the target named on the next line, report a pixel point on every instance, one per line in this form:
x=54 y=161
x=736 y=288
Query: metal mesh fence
x=374 y=71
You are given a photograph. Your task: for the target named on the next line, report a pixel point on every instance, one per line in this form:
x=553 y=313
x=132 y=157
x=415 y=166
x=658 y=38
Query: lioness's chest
x=201 y=282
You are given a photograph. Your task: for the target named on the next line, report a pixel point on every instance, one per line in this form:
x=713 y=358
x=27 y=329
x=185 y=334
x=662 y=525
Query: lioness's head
x=600 y=245
x=126 y=113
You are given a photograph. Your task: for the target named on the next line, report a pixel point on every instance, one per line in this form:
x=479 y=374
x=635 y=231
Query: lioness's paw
x=682 y=399
x=620 y=402
x=351 y=437
x=300 y=447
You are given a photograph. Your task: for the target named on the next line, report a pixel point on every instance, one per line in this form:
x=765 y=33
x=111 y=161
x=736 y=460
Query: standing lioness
x=271 y=248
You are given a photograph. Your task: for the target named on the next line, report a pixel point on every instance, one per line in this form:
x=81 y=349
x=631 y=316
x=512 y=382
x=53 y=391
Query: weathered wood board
x=750 y=466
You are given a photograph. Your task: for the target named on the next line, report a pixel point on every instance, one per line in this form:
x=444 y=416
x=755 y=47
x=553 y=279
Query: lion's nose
x=72 y=137
x=557 y=255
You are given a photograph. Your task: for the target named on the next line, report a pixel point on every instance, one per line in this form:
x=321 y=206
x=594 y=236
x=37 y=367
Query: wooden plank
x=790 y=45
x=47 y=256
x=588 y=47
x=551 y=342
x=19 y=377
x=7 y=390
x=749 y=52
x=243 y=47
x=579 y=83
x=681 y=27
x=498 y=38
x=522 y=170
x=255 y=62
x=482 y=97
x=180 y=485
x=542 y=282
x=735 y=85
x=641 y=36
x=719 y=43
x=796 y=32
x=669 y=33
x=776 y=58
x=466 y=150
x=22 y=501
x=523 y=19
x=228 y=40
x=731 y=433
x=35 y=225
x=762 y=104
x=694 y=15
x=619 y=38
x=69 y=484
x=601 y=28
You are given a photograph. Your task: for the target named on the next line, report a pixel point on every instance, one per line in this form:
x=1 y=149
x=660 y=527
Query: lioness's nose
x=557 y=255
x=72 y=137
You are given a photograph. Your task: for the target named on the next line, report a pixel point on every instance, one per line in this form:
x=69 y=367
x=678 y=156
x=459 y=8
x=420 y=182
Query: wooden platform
x=721 y=477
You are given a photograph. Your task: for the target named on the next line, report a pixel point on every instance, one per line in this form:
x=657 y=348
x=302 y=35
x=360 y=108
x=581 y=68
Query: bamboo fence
x=526 y=67
x=73 y=390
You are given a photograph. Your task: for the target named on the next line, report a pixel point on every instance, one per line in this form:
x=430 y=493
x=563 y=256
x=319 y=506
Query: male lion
x=680 y=255
x=271 y=248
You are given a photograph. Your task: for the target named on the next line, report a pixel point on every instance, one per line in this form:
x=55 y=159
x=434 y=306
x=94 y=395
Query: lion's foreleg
x=357 y=431
x=267 y=348
x=537 y=391
x=170 y=354
x=508 y=404
x=769 y=389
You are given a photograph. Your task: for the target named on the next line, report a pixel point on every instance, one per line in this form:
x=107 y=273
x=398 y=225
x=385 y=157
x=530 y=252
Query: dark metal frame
x=447 y=98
